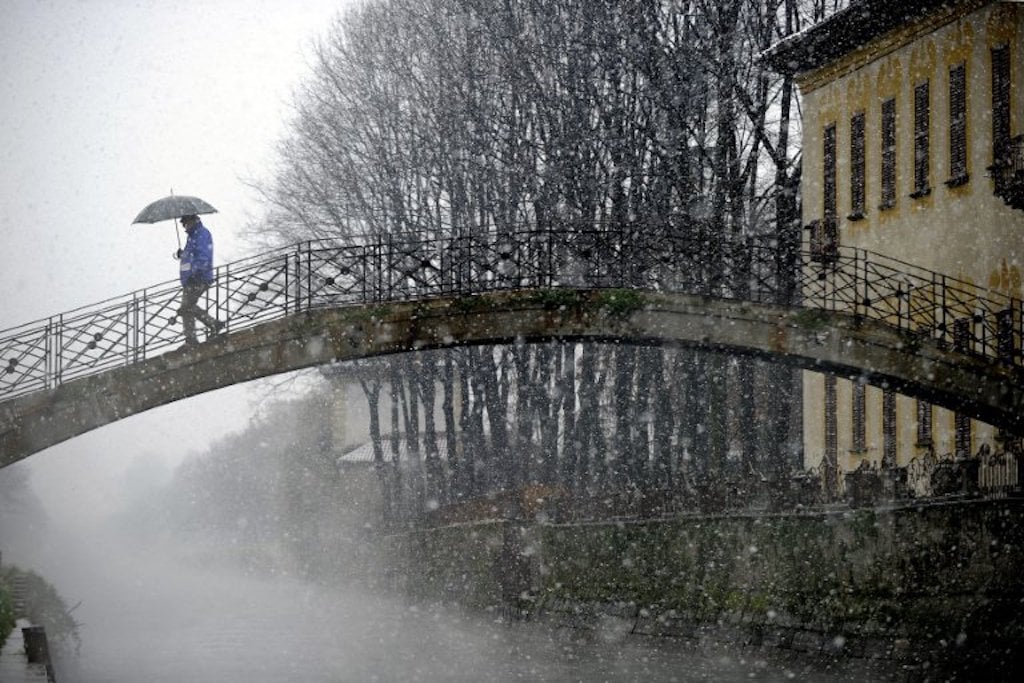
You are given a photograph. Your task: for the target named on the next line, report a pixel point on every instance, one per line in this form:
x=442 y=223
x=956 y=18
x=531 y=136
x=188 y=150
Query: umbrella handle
x=177 y=234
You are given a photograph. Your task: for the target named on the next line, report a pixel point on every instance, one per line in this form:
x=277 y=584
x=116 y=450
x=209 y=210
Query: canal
x=155 y=615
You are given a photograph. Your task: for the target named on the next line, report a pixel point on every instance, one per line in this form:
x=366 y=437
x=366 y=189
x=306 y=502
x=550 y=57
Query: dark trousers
x=190 y=310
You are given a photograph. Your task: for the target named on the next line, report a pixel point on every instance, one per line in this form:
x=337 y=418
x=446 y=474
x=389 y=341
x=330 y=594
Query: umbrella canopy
x=173 y=206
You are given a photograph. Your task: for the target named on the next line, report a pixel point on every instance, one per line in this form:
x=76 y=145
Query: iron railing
x=391 y=268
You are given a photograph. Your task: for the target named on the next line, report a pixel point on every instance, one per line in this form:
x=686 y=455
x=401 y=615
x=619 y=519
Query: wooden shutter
x=831 y=438
x=888 y=154
x=963 y=435
x=957 y=125
x=889 y=428
x=858 y=411
x=829 y=173
x=921 y=120
x=857 y=166
x=1000 y=101
x=924 y=423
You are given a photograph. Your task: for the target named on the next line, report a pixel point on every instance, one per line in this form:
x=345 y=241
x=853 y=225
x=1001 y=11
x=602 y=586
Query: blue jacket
x=197 y=257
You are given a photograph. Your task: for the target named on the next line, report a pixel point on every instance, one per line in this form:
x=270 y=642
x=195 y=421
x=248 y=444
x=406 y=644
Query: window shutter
x=857 y=166
x=957 y=124
x=888 y=154
x=858 y=410
x=889 y=428
x=963 y=435
x=921 y=117
x=831 y=439
x=1000 y=101
x=924 y=423
x=829 y=179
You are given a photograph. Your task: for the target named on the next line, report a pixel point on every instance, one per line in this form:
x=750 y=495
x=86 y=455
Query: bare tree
x=620 y=123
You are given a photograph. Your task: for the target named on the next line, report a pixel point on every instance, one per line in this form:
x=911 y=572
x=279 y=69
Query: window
x=1000 y=101
x=921 y=116
x=857 y=167
x=888 y=428
x=963 y=435
x=825 y=232
x=858 y=410
x=888 y=154
x=831 y=440
x=924 y=424
x=824 y=241
x=962 y=338
x=829 y=179
x=957 y=126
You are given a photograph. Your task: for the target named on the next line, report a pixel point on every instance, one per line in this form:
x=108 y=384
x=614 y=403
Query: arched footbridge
x=851 y=313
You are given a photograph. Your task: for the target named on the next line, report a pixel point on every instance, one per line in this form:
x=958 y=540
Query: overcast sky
x=105 y=106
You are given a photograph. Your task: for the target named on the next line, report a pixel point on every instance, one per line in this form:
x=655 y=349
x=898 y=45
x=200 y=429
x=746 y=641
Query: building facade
x=912 y=120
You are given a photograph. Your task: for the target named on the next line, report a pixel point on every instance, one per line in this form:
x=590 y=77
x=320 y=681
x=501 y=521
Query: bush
x=6 y=612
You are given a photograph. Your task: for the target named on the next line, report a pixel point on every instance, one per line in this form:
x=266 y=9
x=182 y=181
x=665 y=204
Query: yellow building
x=912 y=115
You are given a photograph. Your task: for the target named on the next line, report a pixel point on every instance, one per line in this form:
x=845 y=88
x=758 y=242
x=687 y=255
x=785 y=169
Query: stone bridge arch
x=818 y=340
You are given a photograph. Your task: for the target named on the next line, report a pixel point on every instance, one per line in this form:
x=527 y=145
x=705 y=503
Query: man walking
x=196 y=278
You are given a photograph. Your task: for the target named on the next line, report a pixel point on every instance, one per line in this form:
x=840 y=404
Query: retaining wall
x=937 y=587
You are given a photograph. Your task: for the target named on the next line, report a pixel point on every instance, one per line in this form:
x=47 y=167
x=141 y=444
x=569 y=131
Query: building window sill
x=958 y=180
x=920 y=193
x=885 y=206
x=856 y=216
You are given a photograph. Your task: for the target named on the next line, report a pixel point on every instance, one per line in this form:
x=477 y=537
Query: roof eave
x=846 y=30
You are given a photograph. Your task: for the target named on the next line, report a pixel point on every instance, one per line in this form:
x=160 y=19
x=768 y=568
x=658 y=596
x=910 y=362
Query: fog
x=149 y=613
x=160 y=602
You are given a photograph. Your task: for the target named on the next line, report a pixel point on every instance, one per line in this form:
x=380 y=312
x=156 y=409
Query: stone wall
x=939 y=585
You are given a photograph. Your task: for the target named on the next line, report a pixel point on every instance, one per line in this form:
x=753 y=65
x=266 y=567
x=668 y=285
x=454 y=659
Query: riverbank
x=14 y=664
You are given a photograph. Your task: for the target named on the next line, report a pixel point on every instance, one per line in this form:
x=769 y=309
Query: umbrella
x=173 y=206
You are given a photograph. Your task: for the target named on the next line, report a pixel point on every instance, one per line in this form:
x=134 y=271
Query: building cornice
x=859 y=34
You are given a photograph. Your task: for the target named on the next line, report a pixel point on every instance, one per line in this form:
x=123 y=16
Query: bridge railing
x=387 y=268
x=924 y=303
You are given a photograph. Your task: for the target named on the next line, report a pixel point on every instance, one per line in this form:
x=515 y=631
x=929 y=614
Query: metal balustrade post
x=144 y=334
x=365 y=274
x=286 y=288
x=983 y=337
x=296 y=276
x=899 y=303
x=48 y=350
x=866 y=280
x=217 y=298
x=309 y=275
x=373 y=263
x=131 y=331
x=859 y=309
x=944 y=325
x=390 y=256
x=1017 y=306
x=58 y=351
x=226 y=271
